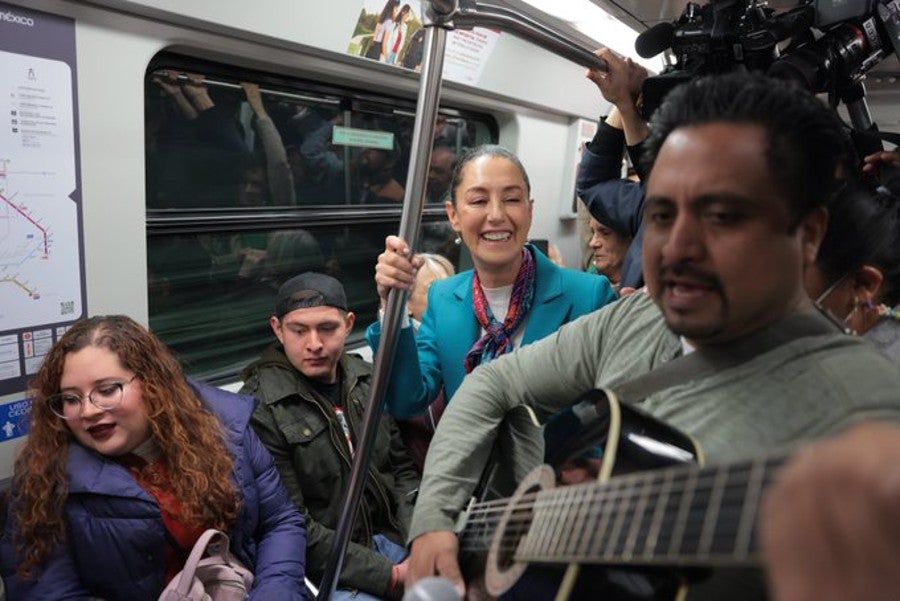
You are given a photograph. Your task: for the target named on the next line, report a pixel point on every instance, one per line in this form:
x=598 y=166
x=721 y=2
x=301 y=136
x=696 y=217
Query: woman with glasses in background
x=126 y=464
x=856 y=276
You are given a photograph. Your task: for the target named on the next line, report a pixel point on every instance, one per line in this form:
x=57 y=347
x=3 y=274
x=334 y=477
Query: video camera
x=826 y=45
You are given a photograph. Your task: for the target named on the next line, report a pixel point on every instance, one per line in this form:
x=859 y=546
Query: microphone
x=651 y=42
x=432 y=588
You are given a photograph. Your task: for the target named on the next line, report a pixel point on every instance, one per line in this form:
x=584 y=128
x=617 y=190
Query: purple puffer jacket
x=116 y=539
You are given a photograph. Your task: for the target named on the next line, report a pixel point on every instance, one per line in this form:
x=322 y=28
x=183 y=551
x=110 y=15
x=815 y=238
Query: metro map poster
x=41 y=246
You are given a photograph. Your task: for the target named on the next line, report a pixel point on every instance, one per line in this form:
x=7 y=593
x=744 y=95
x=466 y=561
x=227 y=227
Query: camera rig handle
x=472 y=13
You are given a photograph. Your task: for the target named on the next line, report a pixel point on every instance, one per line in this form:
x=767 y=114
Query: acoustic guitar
x=653 y=522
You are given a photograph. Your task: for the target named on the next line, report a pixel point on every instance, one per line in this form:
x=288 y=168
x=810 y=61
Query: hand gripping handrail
x=440 y=17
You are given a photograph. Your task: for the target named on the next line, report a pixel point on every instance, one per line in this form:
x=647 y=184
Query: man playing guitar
x=742 y=169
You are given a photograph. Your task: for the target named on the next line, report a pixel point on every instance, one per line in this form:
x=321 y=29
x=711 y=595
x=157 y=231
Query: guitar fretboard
x=679 y=516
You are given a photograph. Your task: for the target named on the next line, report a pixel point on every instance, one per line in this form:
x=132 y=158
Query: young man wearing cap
x=312 y=398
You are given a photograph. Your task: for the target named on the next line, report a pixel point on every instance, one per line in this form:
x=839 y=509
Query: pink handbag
x=216 y=577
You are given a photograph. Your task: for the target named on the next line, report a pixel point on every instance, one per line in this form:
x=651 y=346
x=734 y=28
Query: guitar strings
x=684 y=547
x=485 y=513
x=611 y=498
x=593 y=541
x=616 y=487
x=610 y=501
x=578 y=546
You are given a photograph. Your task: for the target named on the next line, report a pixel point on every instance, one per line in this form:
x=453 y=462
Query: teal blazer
x=433 y=357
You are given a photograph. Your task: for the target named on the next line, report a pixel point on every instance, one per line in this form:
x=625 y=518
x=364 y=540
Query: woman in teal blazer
x=491 y=210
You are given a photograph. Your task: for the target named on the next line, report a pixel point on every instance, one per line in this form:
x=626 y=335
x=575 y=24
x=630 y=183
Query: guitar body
x=540 y=583
x=634 y=442
x=630 y=442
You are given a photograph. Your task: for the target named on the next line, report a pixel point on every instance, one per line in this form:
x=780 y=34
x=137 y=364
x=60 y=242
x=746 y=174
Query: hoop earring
x=866 y=304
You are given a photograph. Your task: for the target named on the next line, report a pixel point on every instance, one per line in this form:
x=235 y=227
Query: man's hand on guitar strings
x=435 y=554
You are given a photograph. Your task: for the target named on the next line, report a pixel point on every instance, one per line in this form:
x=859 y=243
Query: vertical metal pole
x=440 y=14
x=413 y=201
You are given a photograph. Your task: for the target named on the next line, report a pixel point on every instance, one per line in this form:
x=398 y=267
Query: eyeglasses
x=105 y=397
x=819 y=303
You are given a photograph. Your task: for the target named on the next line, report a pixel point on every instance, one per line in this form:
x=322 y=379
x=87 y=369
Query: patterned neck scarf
x=497 y=338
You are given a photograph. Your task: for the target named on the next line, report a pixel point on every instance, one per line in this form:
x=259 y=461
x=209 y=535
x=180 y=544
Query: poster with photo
x=391 y=31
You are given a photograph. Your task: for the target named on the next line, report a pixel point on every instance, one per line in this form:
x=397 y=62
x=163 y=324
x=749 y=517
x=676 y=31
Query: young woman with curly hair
x=127 y=463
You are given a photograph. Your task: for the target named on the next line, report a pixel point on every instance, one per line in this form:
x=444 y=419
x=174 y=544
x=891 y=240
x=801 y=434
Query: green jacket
x=302 y=431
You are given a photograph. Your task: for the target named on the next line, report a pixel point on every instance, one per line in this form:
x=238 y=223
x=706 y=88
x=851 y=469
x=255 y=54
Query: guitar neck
x=683 y=516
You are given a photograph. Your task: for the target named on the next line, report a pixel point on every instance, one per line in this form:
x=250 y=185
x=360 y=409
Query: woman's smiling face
x=492 y=213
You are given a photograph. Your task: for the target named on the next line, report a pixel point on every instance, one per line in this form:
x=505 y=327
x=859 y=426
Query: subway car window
x=253 y=178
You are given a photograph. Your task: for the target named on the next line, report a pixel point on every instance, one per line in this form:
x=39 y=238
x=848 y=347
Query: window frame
x=162 y=222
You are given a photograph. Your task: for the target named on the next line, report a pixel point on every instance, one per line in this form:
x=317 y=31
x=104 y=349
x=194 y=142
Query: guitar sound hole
x=520 y=519
x=515 y=530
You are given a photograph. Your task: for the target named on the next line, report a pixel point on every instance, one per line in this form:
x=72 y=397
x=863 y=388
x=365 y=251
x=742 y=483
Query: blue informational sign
x=14 y=419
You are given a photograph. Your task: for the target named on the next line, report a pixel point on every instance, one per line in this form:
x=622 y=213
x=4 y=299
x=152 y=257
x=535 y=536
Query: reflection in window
x=211 y=294
x=218 y=143
x=252 y=179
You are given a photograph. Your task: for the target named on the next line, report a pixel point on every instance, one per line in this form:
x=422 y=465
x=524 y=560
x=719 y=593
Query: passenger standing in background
x=440 y=170
x=454 y=133
x=610 y=248
x=316 y=164
x=126 y=464
x=514 y=295
x=228 y=152
x=613 y=201
x=312 y=399
x=376 y=179
x=207 y=143
x=277 y=169
x=856 y=275
x=436 y=237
